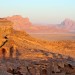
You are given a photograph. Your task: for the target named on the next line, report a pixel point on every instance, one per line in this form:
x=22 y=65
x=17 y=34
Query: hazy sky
x=39 y=11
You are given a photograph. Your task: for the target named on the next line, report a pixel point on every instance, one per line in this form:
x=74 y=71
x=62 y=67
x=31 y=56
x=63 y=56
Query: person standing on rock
x=17 y=54
x=3 y=53
x=11 y=52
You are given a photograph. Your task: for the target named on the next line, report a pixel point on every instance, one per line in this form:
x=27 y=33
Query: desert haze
x=23 y=51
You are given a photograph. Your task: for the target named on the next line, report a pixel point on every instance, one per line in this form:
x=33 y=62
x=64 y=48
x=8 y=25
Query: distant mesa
x=68 y=22
x=17 y=18
x=68 y=25
x=21 y=23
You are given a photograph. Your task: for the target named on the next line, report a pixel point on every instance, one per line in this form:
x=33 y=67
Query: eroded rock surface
x=29 y=67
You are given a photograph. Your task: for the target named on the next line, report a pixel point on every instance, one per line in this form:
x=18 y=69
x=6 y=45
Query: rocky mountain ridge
x=21 y=23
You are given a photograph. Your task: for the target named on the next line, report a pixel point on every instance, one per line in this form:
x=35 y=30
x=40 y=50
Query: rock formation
x=21 y=54
x=20 y=23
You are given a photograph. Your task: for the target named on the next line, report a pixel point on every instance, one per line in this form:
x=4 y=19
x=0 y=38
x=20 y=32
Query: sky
x=39 y=11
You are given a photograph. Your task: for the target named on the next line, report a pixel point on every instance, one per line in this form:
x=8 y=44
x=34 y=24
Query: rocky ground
x=36 y=67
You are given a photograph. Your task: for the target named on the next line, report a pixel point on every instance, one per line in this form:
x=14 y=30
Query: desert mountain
x=21 y=23
x=28 y=45
x=17 y=39
x=69 y=25
x=21 y=54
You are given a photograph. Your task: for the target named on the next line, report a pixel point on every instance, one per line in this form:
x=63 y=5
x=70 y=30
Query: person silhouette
x=11 y=52
x=3 y=53
x=17 y=54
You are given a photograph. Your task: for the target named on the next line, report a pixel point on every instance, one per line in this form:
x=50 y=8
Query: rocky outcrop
x=5 y=27
x=29 y=67
x=5 y=41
